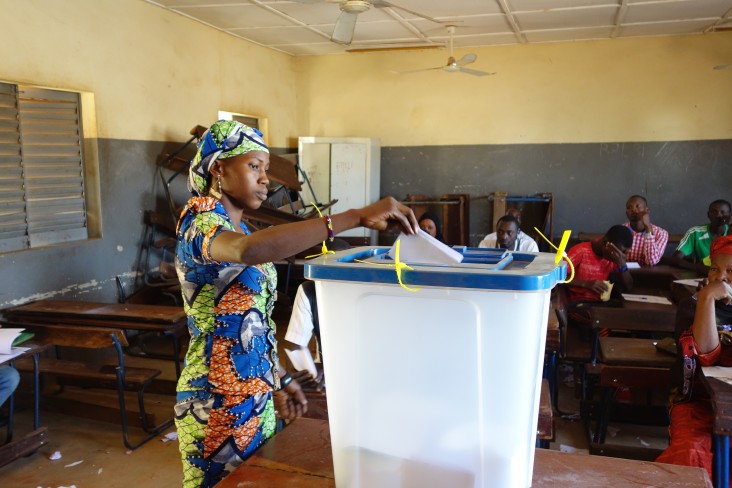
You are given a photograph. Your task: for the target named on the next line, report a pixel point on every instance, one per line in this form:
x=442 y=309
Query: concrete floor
x=92 y=452
x=93 y=455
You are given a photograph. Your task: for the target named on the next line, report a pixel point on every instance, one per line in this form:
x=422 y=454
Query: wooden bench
x=116 y=376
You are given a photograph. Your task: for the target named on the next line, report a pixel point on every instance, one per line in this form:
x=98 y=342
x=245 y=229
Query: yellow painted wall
x=653 y=89
x=154 y=74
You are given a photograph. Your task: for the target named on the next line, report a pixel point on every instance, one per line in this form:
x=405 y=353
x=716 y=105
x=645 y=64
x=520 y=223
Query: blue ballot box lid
x=481 y=268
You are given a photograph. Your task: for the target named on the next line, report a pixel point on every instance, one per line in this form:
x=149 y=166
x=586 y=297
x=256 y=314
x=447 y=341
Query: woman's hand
x=704 y=282
x=377 y=215
x=290 y=402
x=718 y=290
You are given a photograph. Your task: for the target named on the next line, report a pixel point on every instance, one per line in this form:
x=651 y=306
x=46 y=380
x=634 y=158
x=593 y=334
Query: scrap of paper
x=170 y=436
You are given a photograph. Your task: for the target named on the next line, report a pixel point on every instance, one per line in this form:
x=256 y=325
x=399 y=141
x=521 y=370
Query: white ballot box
x=437 y=387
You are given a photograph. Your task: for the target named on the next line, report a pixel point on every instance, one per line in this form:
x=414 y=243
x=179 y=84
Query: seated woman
x=430 y=223
x=706 y=341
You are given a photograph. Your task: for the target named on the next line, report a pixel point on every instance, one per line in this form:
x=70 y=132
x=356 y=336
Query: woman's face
x=428 y=226
x=721 y=269
x=244 y=179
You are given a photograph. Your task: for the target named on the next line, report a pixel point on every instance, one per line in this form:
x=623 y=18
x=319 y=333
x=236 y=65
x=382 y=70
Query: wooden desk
x=300 y=457
x=157 y=318
x=721 y=397
x=166 y=320
x=662 y=278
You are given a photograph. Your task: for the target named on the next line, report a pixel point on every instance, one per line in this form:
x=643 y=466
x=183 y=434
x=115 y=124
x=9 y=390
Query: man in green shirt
x=693 y=250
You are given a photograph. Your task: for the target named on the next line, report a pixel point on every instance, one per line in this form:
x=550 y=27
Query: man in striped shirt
x=649 y=241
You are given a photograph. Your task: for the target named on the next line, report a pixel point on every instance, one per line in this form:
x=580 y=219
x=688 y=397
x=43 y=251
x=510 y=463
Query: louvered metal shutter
x=13 y=226
x=42 y=180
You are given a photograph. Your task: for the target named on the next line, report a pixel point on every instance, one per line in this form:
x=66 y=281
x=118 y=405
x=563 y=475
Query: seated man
x=507 y=237
x=593 y=263
x=303 y=325
x=693 y=250
x=649 y=241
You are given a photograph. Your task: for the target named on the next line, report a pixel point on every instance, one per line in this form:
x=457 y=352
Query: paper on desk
x=720 y=372
x=7 y=336
x=647 y=299
x=14 y=352
x=424 y=249
x=633 y=265
x=690 y=282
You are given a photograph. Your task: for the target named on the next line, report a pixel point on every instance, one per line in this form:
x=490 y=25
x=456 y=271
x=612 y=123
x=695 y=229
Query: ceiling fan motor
x=355 y=6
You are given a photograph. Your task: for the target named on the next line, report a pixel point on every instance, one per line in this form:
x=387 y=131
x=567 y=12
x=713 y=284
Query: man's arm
x=680 y=260
x=654 y=245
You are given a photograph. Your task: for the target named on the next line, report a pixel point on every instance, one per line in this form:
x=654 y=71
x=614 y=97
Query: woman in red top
x=706 y=342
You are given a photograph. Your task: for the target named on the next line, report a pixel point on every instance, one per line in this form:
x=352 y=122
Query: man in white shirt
x=508 y=235
x=303 y=325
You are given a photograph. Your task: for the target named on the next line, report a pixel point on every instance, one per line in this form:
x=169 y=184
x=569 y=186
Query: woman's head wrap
x=224 y=139
x=721 y=245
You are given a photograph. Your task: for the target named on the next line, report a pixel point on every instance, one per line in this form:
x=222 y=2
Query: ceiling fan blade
x=474 y=72
x=344 y=27
x=721 y=67
x=467 y=59
x=417 y=70
x=384 y=3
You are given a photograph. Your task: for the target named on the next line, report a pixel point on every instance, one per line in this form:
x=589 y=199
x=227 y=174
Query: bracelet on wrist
x=329 y=224
x=623 y=268
x=285 y=380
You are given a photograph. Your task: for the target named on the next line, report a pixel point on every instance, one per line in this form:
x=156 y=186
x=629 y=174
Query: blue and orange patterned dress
x=224 y=408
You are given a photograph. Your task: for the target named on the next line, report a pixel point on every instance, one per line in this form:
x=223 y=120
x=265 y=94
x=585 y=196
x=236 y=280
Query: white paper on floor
x=100 y=471
x=73 y=464
x=56 y=455
x=170 y=436
x=643 y=443
x=572 y=449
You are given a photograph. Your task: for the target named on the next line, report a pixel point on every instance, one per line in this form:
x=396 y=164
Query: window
x=255 y=121
x=43 y=189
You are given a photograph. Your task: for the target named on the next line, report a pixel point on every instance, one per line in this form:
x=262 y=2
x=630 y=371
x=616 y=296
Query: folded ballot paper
x=422 y=248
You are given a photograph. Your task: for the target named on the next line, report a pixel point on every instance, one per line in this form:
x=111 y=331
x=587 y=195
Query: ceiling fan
x=350 y=9
x=457 y=65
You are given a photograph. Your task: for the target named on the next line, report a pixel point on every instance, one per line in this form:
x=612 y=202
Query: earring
x=216 y=193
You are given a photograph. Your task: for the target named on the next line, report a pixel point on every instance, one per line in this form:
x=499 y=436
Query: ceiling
x=304 y=27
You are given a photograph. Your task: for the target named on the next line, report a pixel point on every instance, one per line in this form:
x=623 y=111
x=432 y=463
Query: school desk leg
x=721 y=461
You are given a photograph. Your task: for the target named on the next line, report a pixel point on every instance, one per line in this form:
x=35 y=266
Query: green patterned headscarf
x=224 y=139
